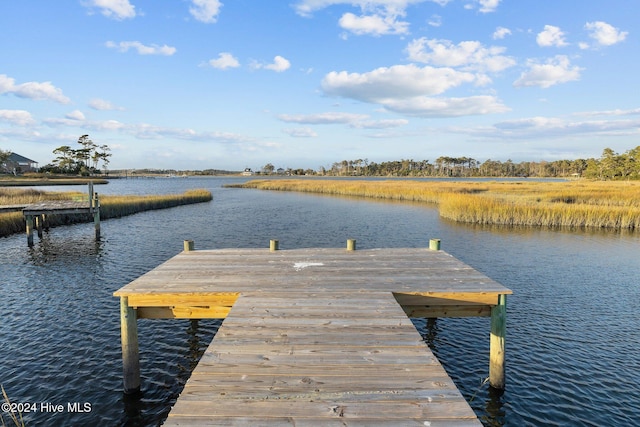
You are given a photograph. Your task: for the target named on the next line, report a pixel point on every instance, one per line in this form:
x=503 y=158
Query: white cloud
x=102 y=105
x=487 y=6
x=32 y=90
x=556 y=70
x=423 y=106
x=375 y=25
x=300 y=132
x=117 y=9
x=17 y=117
x=435 y=21
x=206 y=11
x=225 y=60
x=398 y=81
x=75 y=115
x=551 y=36
x=279 y=64
x=470 y=55
x=142 y=49
x=379 y=124
x=552 y=127
x=500 y=33
x=605 y=34
x=377 y=17
x=323 y=118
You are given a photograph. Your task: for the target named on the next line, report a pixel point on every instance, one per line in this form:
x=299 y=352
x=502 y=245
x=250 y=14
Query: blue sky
x=198 y=84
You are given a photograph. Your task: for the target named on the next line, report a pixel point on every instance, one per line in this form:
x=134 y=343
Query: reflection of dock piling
x=315 y=336
x=36 y=215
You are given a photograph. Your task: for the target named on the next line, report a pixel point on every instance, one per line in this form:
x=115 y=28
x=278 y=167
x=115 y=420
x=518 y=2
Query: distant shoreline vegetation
x=610 y=166
x=581 y=204
x=110 y=206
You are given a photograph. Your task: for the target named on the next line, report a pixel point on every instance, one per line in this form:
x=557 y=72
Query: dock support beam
x=498 y=332
x=95 y=207
x=130 y=352
x=29 y=228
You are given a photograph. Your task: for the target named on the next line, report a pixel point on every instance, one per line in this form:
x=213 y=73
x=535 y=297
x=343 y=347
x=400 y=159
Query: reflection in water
x=51 y=249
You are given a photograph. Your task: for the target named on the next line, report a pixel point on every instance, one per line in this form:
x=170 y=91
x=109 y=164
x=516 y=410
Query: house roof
x=17 y=158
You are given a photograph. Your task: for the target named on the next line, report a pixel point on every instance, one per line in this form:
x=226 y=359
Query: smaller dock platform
x=315 y=336
x=36 y=214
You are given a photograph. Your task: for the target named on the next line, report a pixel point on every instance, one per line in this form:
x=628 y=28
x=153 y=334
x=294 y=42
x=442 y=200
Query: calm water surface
x=573 y=324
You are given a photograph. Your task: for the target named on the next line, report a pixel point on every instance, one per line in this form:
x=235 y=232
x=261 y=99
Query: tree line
x=609 y=166
x=82 y=161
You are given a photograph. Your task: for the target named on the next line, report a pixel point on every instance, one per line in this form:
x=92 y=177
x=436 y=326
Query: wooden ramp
x=313 y=337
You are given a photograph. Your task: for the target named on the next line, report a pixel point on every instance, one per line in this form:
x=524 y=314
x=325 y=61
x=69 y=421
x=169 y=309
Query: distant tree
x=4 y=156
x=268 y=168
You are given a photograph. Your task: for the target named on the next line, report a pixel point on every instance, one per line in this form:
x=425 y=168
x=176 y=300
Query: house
x=16 y=164
x=247 y=172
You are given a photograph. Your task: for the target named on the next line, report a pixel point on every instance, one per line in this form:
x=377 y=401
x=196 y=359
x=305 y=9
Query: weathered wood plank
x=316 y=336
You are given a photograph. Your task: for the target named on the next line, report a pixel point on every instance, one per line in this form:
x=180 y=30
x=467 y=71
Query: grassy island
x=610 y=204
x=110 y=206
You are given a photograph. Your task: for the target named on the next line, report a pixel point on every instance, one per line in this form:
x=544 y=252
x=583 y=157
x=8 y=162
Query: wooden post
x=274 y=245
x=39 y=220
x=498 y=332
x=90 y=193
x=189 y=245
x=29 y=228
x=130 y=355
x=351 y=244
x=95 y=205
x=434 y=244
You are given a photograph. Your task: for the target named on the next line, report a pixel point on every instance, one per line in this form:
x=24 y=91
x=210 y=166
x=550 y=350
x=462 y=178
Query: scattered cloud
x=551 y=36
x=102 y=105
x=554 y=71
x=605 y=34
x=225 y=60
x=398 y=81
x=618 y=112
x=435 y=21
x=17 y=117
x=500 y=33
x=553 y=127
x=76 y=115
x=323 y=118
x=206 y=11
x=278 y=65
x=142 y=49
x=487 y=6
x=374 y=25
x=116 y=9
x=32 y=90
x=469 y=55
x=379 y=124
x=423 y=106
x=300 y=132
x=376 y=18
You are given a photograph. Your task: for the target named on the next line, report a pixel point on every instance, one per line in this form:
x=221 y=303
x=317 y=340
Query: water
x=573 y=328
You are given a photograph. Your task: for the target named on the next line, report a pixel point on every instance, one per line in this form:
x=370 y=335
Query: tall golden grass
x=614 y=205
x=110 y=206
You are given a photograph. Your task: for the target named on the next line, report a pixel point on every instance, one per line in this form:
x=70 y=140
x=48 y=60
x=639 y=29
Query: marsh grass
x=614 y=205
x=110 y=206
x=17 y=421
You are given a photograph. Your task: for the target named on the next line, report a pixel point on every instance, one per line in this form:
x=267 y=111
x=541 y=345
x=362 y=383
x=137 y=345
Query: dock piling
x=498 y=332
x=189 y=245
x=351 y=244
x=274 y=245
x=95 y=207
x=434 y=244
x=29 y=229
x=130 y=352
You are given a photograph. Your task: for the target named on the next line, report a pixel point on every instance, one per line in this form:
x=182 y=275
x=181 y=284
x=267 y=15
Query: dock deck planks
x=315 y=337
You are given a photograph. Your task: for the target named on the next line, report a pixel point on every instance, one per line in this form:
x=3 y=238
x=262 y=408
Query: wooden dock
x=315 y=337
x=36 y=214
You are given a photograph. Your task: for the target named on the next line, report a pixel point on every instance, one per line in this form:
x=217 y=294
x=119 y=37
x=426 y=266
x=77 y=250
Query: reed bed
x=614 y=205
x=110 y=206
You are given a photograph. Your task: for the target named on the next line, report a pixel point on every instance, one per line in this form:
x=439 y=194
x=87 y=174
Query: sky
x=231 y=84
